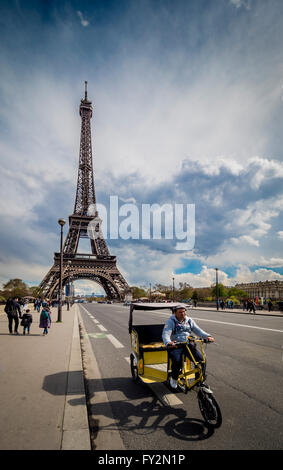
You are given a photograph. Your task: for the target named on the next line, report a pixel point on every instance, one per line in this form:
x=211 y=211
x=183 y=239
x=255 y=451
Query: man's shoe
x=173 y=383
x=16 y=333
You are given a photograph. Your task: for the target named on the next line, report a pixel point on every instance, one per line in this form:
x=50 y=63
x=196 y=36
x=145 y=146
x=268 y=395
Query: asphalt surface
x=244 y=371
x=72 y=389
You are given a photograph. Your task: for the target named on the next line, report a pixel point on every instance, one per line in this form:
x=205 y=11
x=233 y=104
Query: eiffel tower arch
x=99 y=266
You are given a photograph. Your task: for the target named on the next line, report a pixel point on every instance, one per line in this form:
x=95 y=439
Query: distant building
x=266 y=289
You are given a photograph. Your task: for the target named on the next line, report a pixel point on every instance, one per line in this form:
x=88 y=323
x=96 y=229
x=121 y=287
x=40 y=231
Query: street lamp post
x=61 y=222
x=69 y=287
x=173 y=290
x=150 y=291
x=217 y=292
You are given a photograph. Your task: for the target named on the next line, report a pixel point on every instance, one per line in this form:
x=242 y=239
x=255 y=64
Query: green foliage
x=237 y=293
x=14 y=288
x=222 y=291
x=138 y=292
x=234 y=299
x=35 y=291
x=195 y=295
x=18 y=288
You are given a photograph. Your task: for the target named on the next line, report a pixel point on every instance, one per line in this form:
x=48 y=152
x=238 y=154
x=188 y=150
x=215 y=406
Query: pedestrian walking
x=269 y=304
x=12 y=309
x=45 y=318
x=37 y=304
x=252 y=306
x=26 y=321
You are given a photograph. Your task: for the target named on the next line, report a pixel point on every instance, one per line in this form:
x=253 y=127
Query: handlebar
x=191 y=339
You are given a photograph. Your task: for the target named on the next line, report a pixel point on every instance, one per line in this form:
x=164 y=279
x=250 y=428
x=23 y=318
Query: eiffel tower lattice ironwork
x=98 y=266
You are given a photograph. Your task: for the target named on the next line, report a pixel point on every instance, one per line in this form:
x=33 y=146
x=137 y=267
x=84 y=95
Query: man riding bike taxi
x=177 y=329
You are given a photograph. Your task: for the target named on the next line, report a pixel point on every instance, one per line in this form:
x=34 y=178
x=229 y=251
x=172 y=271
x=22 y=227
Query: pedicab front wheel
x=209 y=409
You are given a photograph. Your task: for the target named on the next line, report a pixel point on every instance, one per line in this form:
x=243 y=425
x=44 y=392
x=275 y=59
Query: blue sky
x=188 y=108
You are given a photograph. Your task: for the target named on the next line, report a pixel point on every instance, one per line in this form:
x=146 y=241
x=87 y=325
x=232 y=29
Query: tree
x=195 y=295
x=184 y=293
x=35 y=291
x=204 y=293
x=222 y=291
x=138 y=292
x=237 y=293
x=15 y=288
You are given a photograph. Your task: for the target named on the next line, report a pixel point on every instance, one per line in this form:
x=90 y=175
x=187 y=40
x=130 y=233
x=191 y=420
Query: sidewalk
x=43 y=404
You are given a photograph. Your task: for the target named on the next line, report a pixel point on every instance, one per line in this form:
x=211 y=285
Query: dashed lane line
x=101 y=327
x=114 y=341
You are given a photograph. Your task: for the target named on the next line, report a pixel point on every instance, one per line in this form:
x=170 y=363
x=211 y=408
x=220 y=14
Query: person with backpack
x=26 y=321
x=12 y=309
x=45 y=318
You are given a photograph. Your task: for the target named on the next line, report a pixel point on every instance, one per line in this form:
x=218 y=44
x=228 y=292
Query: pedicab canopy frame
x=152 y=306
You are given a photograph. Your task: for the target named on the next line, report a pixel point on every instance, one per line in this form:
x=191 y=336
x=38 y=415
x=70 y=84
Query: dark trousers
x=10 y=320
x=176 y=354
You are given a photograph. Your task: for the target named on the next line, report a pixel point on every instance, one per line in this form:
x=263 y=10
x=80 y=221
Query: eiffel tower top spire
x=85 y=195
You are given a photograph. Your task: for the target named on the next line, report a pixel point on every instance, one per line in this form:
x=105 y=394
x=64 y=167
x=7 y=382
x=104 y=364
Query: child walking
x=45 y=318
x=26 y=321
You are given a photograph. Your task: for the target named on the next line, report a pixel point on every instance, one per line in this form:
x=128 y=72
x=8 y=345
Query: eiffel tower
x=99 y=266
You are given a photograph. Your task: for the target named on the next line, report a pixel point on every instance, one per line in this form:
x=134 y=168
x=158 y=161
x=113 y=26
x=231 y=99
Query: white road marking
x=101 y=327
x=85 y=309
x=111 y=338
x=163 y=314
x=237 y=324
x=114 y=341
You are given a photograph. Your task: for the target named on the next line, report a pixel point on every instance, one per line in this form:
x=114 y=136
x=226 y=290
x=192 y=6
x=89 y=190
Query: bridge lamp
x=61 y=222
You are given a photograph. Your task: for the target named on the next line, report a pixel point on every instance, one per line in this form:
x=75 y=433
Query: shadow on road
x=146 y=417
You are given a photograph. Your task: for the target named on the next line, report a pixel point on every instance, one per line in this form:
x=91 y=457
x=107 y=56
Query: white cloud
x=244 y=274
x=181 y=128
x=84 y=22
x=241 y=3
x=17 y=268
x=245 y=239
x=87 y=287
x=271 y=262
x=205 y=278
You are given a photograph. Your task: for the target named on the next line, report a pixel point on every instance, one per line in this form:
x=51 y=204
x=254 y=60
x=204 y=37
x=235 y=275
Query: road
x=244 y=369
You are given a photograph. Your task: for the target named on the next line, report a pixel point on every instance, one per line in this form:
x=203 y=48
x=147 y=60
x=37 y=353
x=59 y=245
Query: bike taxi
x=150 y=363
